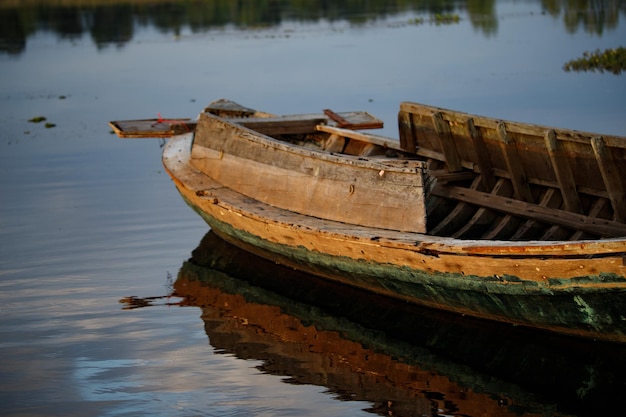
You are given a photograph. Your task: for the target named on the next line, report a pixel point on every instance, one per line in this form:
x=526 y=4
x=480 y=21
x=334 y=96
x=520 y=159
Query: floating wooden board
x=152 y=128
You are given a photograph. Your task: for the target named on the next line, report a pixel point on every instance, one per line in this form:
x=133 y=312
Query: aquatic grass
x=445 y=19
x=611 y=60
x=437 y=19
x=39 y=119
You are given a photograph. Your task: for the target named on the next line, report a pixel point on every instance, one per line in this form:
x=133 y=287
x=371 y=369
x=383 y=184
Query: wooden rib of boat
x=498 y=220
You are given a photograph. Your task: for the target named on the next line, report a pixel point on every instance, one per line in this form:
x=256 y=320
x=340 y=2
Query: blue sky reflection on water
x=87 y=219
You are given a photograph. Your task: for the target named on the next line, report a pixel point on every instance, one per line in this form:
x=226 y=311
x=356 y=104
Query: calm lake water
x=102 y=314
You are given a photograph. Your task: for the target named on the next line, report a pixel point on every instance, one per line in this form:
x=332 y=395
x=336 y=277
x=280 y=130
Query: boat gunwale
x=563 y=134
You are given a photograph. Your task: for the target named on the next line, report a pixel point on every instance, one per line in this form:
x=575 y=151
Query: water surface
x=87 y=220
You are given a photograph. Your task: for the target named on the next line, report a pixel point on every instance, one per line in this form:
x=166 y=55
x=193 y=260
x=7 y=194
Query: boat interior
x=493 y=179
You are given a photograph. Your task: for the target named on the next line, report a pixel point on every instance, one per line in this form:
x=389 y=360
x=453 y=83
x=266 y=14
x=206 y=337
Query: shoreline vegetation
x=114 y=22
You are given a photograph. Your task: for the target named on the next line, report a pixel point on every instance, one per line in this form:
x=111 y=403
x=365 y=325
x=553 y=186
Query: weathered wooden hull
x=574 y=287
x=312 y=182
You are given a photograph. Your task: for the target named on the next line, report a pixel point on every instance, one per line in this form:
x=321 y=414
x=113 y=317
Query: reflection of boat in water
x=404 y=359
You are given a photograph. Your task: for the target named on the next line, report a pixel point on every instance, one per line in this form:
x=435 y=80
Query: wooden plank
x=481 y=218
x=262 y=122
x=484 y=216
x=505 y=225
x=503 y=228
x=599 y=206
x=227 y=108
x=444 y=176
x=335 y=143
x=362 y=149
x=409 y=122
x=152 y=128
x=448 y=146
x=483 y=159
x=363 y=137
x=557 y=233
x=514 y=165
x=566 y=135
x=563 y=173
x=354 y=120
x=611 y=177
x=527 y=210
x=408 y=138
x=525 y=231
x=453 y=220
x=285 y=125
x=457 y=217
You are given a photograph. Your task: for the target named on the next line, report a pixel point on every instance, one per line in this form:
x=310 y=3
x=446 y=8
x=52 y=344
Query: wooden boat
x=498 y=220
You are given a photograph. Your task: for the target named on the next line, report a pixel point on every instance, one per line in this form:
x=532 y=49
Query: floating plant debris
x=611 y=60
x=441 y=19
x=438 y=19
x=37 y=119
